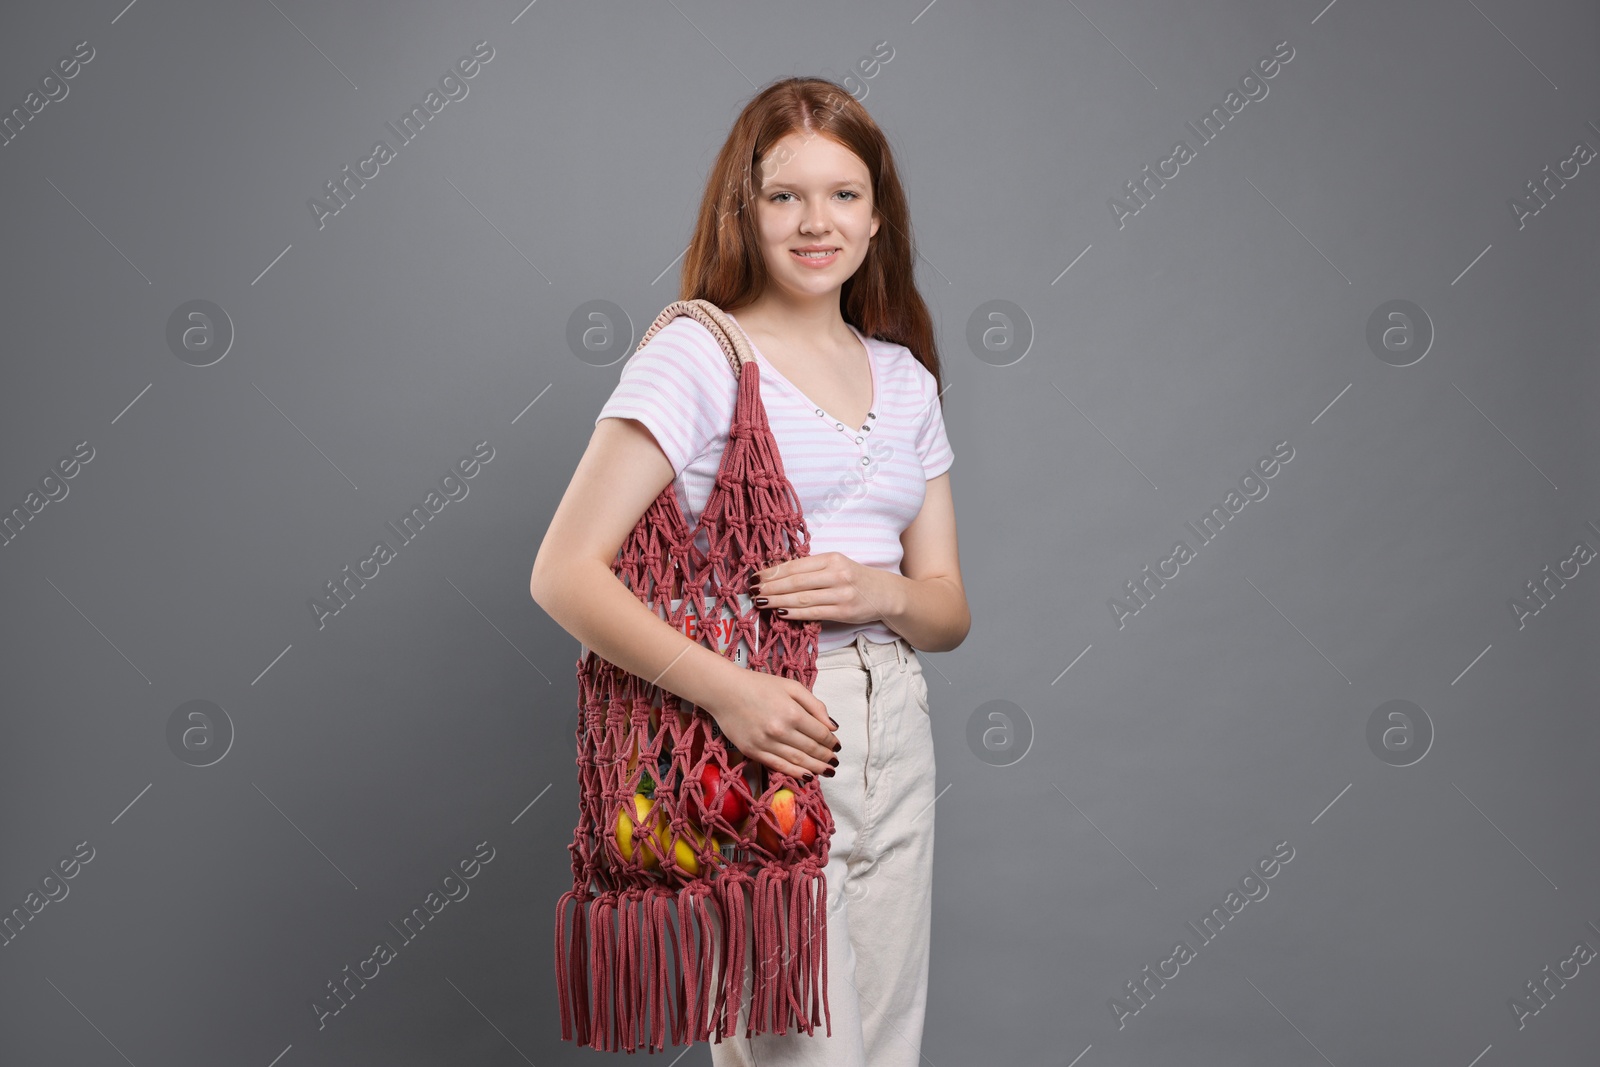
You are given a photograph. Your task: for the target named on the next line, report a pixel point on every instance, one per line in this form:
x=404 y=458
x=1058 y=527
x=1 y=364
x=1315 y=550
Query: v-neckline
x=872 y=367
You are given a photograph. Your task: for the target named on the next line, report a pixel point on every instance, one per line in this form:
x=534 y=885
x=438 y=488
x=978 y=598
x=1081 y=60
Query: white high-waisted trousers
x=879 y=871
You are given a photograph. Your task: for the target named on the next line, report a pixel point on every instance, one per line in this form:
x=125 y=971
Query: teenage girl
x=804 y=238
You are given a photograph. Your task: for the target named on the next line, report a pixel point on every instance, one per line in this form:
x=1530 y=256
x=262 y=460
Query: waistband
x=864 y=653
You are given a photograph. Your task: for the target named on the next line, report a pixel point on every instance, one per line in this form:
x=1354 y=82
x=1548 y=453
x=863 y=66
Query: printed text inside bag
x=719 y=630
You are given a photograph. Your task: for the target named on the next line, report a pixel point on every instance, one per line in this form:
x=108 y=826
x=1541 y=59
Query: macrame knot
x=753 y=477
x=734 y=481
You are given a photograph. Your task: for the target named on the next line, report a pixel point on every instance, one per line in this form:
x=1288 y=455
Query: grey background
x=365 y=758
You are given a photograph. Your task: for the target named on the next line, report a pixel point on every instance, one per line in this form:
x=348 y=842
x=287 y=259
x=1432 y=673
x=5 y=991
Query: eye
x=842 y=192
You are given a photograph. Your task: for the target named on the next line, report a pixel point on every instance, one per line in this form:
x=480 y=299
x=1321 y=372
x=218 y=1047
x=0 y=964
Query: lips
x=818 y=261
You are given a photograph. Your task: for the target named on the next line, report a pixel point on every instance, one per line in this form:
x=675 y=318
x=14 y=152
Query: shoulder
x=682 y=345
x=680 y=386
x=687 y=338
x=903 y=369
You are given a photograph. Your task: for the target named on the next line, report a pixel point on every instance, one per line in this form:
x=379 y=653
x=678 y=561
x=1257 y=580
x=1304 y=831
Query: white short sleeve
x=681 y=387
x=933 y=446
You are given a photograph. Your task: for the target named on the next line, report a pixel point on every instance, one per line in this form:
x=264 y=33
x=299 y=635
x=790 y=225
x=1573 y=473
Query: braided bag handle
x=670 y=812
x=735 y=345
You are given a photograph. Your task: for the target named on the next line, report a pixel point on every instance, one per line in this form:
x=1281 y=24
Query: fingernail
x=832 y=723
x=761 y=602
x=806 y=780
x=828 y=773
x=783 y=611
x=834 y=762
x=837 y=745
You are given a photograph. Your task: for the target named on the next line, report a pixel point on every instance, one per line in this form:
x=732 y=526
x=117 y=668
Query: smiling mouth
x=814 y=255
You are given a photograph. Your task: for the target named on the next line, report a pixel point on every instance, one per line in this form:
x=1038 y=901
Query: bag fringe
x=572 y=976
x=617 y=986
x=696 y=961
x=628 y=966
x=730 y=889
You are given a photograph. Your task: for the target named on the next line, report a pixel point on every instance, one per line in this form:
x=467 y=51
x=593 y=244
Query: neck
x=784 y=317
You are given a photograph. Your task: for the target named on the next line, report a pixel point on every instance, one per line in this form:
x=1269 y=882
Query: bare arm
x=772 y=719
x=930 y=609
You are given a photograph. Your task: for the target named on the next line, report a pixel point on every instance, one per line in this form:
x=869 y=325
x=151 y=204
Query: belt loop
x=900 y=654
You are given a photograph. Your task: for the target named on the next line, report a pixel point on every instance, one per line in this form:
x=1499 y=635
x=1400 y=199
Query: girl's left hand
x=829 y=585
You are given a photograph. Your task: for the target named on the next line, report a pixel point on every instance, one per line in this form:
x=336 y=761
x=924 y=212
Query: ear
x=876 y=219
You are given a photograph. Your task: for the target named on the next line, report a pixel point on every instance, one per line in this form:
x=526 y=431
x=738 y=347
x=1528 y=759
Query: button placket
x=856 y=434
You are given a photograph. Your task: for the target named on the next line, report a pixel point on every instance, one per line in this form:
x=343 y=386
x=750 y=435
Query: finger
x=808 y=736
x=810 y=747
x=803 y=605
x=773 y=761
x=811 y=764
x=792 y=582
x=790 y=568
x=826 y=727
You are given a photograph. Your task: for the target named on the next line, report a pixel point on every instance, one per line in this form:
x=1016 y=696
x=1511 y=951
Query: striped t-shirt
x=859 y=488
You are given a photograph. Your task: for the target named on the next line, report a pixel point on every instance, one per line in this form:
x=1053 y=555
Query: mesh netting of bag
x=679 y=835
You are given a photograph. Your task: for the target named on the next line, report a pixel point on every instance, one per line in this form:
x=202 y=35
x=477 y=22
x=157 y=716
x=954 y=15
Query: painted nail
x=807 y=779
x=834 y=762
x=832 y=723
x=828 y=773
x=761 y=601
x=838 y=745
x=783 y=611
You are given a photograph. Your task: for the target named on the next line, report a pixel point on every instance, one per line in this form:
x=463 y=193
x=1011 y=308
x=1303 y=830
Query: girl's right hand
x=777 y=722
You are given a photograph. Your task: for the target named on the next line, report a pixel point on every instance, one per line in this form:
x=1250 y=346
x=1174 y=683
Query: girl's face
x=815 y=196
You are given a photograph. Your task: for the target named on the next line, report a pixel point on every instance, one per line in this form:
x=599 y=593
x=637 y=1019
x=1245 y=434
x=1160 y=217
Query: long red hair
x=724 y=263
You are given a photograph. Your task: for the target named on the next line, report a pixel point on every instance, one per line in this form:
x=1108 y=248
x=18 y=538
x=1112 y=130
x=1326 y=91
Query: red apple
x=735 y=802
x=783 y=811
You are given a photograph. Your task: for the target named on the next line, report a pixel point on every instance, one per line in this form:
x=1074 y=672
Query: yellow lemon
x=641 y=807
x=685 y=853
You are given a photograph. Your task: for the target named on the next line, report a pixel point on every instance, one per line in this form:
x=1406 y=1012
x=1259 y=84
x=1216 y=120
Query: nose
x=816 y=223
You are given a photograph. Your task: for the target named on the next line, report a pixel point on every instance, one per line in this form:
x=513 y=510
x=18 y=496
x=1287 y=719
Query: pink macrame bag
x=670 y=812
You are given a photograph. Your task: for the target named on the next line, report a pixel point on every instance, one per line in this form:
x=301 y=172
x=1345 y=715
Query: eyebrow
x=774 y=183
